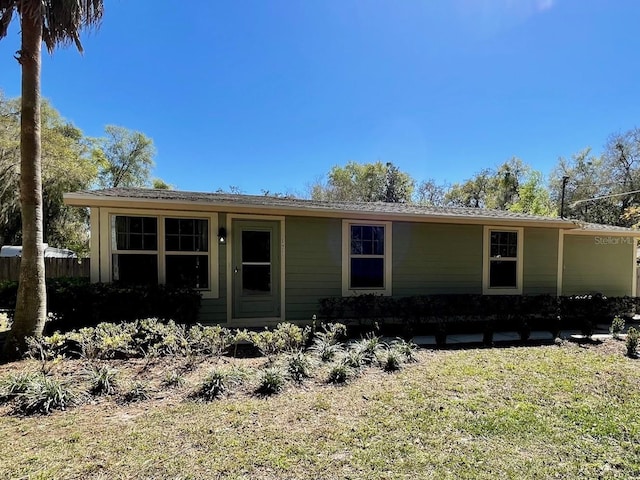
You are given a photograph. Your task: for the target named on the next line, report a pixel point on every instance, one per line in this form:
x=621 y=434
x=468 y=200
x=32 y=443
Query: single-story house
x=260 y=260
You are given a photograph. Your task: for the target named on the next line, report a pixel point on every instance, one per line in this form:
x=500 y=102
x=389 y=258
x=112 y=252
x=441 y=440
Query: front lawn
x=523 y=412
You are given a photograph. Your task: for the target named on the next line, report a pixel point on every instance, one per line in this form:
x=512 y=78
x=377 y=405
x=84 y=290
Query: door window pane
x=256 y=246
x=256 y=279
x=187 y=271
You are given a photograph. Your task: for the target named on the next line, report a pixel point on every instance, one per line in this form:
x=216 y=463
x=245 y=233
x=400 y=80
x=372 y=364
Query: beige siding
x=436 y=258
x=540 y=261
x=598 y=264
x=313 y=264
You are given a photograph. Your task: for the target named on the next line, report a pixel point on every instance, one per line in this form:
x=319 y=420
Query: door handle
x=235 y=270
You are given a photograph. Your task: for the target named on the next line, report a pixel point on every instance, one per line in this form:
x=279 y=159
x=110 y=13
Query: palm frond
x=7 y=8
x=63 y=20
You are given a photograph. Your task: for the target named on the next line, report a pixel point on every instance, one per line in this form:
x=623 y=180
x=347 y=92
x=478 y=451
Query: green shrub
x=210 y=340
x=15 y=384
x=617 y=326
x=369 y=346
x=408 y=350
x=633 y=337
x=325 y=349
x=339 y=373
x=103 y=379
x=43 y=395
x=299 y=366
x=219 y=382
x=76 y=303
x=173 y=379
x=353 y=358
x=271 y=380
x=286 y=337
x=137 y=392
x=390 y=360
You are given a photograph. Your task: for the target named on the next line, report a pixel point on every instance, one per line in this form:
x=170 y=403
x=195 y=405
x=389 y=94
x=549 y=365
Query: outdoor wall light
x=222 y=235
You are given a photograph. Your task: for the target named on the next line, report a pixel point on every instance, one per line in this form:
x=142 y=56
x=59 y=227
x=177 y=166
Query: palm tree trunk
x=31 y=309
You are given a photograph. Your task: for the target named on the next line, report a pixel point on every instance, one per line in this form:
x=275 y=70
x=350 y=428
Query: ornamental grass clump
x=617 y=326
x=219 y=382
x=103 y=379
x=137 y=392
x=408 y=350
x=173 y=379
x=339 y=373
x=14 y=385
x=390 y=360
x=369 y=346
x=271 y=380
x=633 y=338
x=43 y=395
x=299 y=366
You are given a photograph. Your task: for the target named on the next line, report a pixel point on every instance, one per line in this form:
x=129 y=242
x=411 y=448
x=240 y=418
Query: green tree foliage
x=602 y=189
x=365 y=182
x=66 y=166
x=533 y=197
x=496 y=189
x=125 y=158
x=431 y=193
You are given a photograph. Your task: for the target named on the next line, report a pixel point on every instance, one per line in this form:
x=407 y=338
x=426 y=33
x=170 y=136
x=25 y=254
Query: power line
x=573 y=204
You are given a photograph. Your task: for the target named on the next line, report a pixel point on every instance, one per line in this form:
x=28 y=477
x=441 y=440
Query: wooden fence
x=54 y=267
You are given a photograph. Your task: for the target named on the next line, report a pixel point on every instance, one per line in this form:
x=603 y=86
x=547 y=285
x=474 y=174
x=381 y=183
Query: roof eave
x=83 y=200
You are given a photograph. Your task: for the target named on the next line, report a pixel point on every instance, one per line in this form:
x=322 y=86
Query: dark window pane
x=186 y=235
x=367 y=240
x=502 y=274
x=256 y=279
x=367 y=273
x=187 y=270
x=135 y=269
x=504 y=244
x=136 y=233
x=256 y=246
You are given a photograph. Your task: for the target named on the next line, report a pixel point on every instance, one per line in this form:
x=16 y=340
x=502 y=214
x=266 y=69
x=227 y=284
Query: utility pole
x=565 y=179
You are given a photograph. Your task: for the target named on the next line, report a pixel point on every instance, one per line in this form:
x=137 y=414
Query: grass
x=541 y=412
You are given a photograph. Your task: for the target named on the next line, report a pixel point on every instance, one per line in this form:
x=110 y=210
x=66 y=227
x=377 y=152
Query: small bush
x=390 y=360
x=325 y=349
x=633 y=338
x=210 y=340
x=15 y=384
x=271 y=380
x=103 y=379
x=43 y=395
x=408 y=350
x=353 y=358
x=369 y=347
x=299 y=366
x=339 y=373
x=173 y=379
x=617 y=326
x=137 y=392
x=219 y=382
x=286 y=337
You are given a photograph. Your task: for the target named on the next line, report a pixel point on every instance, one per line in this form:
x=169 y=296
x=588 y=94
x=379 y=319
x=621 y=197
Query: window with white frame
x=366 y=257
x=503 y=260
x=161 y=249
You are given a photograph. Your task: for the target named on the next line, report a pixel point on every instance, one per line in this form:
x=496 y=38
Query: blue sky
x=270 y=94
